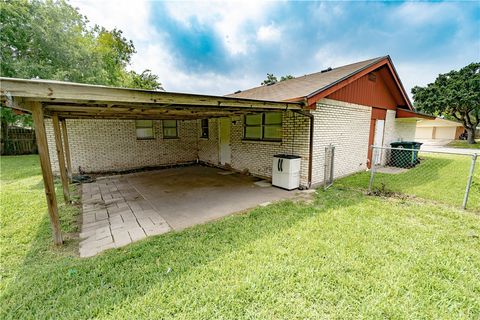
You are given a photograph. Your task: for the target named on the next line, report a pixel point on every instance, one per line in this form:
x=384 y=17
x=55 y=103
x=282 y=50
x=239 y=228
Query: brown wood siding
x=366 y=92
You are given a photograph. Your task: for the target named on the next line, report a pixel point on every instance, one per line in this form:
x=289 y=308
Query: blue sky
x=221 y=47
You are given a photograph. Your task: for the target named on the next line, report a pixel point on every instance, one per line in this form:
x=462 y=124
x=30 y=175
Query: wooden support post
x=61 y=157
x=67 y=149
x=38 y=120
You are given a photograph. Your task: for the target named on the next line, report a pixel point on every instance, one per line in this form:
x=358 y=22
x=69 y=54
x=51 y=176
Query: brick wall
x=257 y=156
x=398 y=129
x=109 y=145
x=347 y=127
x=208 y=147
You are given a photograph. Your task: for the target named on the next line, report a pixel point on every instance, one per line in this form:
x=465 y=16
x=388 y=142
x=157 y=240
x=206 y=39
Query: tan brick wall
x=109 y=145
x=398 y=129
x=208 y=148
x=257 y=156
x=347 y=127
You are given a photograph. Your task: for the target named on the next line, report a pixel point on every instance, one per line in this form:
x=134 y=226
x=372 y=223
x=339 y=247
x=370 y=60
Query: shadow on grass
x=55 y=284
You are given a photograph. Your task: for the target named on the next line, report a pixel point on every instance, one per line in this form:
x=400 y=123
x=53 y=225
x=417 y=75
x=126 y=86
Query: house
x=350 y=107
x=438 y=131
x=93 y=128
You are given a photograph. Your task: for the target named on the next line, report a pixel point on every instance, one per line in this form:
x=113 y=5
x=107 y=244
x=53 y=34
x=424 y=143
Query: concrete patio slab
x=122 y=209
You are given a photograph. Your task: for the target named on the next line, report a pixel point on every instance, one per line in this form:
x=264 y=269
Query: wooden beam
x=61 y=157
x=47 y=174
x=66 y=144
x=96 y=108
x=64 y=92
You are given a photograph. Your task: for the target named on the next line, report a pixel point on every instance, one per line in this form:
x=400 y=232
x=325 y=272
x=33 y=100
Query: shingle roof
x=305 y=85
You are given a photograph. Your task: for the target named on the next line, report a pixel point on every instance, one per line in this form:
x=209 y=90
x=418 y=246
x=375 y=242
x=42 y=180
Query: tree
x=456 y=95
x=271 y=79
x=51 y=40
x=287 y=77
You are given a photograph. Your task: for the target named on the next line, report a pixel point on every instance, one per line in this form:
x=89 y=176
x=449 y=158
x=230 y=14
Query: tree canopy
x=455 y=95
x=52 y=40
x=271 y=79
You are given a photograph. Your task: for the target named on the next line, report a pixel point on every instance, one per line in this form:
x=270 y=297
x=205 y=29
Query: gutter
x=310 y=147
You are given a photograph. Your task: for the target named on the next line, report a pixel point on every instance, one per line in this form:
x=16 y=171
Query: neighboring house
x=438 y=131
x=350 y=107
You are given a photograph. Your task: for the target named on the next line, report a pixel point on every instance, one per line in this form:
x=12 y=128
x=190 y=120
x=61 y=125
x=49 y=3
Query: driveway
x=118 y=210
x=448 y=149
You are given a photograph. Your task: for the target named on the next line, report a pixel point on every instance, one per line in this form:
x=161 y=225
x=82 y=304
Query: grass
x=464 y=144
x=346 y=255
x=442 y=178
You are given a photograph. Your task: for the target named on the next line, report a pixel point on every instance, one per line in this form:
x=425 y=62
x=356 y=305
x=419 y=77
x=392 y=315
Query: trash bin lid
x=287 y=156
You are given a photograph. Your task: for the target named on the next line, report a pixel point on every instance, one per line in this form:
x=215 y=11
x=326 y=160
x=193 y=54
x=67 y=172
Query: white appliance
x=286 y=171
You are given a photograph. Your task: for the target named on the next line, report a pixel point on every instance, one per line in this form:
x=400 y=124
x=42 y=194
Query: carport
x=62 y=100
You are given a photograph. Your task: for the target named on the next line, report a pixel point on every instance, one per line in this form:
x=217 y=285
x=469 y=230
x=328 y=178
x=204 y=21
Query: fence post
x=372 y=169
x=470 y=178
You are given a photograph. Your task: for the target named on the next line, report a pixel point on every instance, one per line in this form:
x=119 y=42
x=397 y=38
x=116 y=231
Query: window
x=144 y=129
x=264 y=126
x=170 y=129
x=204 y=132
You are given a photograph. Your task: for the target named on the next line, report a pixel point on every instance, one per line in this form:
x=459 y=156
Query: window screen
x=170 y=129
x=144 y=129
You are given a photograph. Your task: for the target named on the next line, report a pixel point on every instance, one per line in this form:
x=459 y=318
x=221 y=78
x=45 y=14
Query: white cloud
x=228 y=19
x=268 y=33
x=134 y=18
x=418 y=13
x=335 y=56
x=152 y=46
x=130 y=17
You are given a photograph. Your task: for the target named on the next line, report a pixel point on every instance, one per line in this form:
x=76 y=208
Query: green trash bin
x=407 y=158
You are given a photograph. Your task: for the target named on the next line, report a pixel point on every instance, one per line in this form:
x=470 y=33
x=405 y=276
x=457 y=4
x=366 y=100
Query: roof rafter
x=73 y=99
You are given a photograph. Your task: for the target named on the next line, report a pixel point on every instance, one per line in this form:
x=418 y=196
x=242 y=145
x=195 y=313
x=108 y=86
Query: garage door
x=445 y=133
x=423 y=133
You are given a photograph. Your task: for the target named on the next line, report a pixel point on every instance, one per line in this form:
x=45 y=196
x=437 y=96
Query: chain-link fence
x=451 y=178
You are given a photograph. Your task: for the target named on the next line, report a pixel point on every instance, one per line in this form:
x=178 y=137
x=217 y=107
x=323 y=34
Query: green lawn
x=463 y=144
x=346 y=255
x=442 y=178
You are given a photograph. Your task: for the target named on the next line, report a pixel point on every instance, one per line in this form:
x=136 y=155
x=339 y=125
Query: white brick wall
x=347 y=127
x=256 y=156
x=109 y=145
x=208 y=148
x=398 y=129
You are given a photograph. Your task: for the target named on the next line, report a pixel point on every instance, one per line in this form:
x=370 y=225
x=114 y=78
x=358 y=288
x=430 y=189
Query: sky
x=221 y=47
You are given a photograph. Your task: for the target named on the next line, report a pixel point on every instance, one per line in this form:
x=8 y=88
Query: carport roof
x=77 y=101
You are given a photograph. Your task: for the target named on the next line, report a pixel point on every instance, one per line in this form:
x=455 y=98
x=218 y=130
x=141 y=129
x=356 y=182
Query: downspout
x=310 y=148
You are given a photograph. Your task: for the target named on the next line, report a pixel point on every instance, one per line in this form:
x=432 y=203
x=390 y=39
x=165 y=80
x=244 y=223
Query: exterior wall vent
x=372 y=77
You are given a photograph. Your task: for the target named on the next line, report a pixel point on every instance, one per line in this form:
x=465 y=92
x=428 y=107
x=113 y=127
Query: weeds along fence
x=451 y=178
x=19 y=141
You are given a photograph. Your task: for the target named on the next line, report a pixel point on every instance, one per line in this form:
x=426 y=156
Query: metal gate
x=328 y=170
